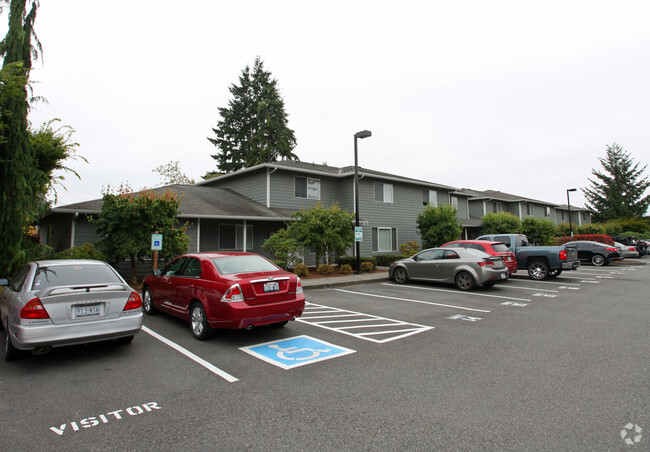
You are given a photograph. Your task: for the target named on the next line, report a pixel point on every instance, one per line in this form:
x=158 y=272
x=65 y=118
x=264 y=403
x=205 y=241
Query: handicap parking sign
x=296 y=351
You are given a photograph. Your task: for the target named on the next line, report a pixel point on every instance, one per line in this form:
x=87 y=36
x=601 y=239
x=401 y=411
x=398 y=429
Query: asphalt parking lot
x=526 y=365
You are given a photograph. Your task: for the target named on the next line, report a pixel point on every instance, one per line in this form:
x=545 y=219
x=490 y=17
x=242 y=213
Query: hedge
x=606 y=239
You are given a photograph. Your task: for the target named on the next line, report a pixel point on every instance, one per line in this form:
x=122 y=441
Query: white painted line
x=413 y=301
x=455 y=291
x=226 y=376
x=531 y=288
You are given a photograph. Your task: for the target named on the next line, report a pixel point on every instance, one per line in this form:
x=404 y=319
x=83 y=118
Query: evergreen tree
x=18 y=200
x=253 y=128
x=618 y=191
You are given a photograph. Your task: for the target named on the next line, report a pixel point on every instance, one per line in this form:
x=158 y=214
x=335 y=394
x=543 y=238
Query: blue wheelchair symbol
x=296 y=351
x=156 y=243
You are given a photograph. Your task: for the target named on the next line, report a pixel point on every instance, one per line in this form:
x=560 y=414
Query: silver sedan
x=66 y=302
x=627 y=251
x=466 y=268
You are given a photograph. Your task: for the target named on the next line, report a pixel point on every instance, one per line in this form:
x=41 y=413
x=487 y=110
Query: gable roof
x=326 y=170
x=199 y=202
x=488 y=195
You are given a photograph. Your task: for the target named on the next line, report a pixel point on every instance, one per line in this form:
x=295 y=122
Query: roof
x=500 y=196
x=200 y=202
x=326 y=170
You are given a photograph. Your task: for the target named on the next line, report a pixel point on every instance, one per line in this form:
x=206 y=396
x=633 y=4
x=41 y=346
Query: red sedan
x=487 y=246
x=224 y=290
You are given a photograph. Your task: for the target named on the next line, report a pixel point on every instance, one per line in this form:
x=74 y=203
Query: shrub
x=352 y=261
x=85 y=251
x=301 y=270
x=591 y=237
x=591 y=228
x=367 y=266
x=345 y=269
x=325 y=269
x=386 y=259
x=407 y=249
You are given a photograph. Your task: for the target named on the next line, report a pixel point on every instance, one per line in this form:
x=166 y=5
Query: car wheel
x=279 y=324
x=538 y=270
x=199 y=322
x=147 y=302
x=400 y=276
x=554 y=273
x=11 y=353
x=598 y=260
x=465 y=281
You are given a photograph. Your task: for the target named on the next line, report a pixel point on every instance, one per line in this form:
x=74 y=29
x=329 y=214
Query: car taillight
x=299 y=286
x=34 y=310
x=631 y=248
x=233 y=294
x=484 y=263
x=134 y=302
x=612 y=249
x=563 y=255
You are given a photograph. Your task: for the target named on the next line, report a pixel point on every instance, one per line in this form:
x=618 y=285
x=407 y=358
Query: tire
x=598 y=260
x=279 y=324
x=199 y=322
x=125 y=340
x=11 y=353
x=400 y=276
x=554 y=273
x=147 y=302
x=538 y=270
x=465 y=281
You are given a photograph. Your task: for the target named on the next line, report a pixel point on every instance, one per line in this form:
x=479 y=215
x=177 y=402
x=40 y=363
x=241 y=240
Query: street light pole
x=568 y=202
x=362 y=134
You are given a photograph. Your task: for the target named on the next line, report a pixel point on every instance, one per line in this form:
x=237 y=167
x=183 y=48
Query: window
x=383 y=192
x=430 y=197
x=454 y=201
x=18 y=281
x=305 y=187
x=192 y=269
x=547 y=211
x=530 y=210
x=563 y=216
x=497 y=207
x=384 y=239
x=175 y=267
x=231 y=237
x=585 y=217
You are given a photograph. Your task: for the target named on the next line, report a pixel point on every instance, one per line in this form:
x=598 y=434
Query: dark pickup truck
x=541 y=262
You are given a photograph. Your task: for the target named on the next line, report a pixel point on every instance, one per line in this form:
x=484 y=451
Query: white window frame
x=433 y=198
x=547 y=211
x=308 y=193
x=386 y=192
x=454 y=201
x=530 y=210
x=497 y=207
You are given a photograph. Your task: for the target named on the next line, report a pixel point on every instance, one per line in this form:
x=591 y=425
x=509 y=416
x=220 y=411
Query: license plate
x=503 y=276
x=271 y=287
x=90 y=310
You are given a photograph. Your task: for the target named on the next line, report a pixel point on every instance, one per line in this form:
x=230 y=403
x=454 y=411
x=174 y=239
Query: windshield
x=74 y=275
x=242 y=264
x=500 y=248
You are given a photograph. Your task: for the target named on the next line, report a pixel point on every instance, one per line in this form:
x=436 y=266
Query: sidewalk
x=337 y=281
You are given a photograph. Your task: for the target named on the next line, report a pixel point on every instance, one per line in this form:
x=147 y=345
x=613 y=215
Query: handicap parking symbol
x=296 y=351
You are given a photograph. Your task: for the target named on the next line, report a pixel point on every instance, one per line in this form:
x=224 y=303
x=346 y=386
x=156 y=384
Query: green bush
x=385 y=260
x=301 y=270
x=352 y=261
x=325 y=269
x=345 y=269
x=367 y=266
x=407 y=249
x=85 y=251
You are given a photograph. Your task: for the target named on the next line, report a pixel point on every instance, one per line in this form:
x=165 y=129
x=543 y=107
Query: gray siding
x=84 y=231
x=283 y=191
x=253 y=185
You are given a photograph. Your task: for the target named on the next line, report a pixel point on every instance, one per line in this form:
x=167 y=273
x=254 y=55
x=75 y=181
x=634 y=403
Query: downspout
x=244 y=250
x=268 y=185
x=198 y=235
x=73 y=229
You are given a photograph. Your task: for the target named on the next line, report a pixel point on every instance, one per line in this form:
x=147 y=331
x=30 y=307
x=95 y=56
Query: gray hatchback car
x=466 y=268
x=66 y=302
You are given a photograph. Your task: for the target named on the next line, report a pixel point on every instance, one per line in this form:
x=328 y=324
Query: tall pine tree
x=17 y=161
x=253 y=128
x=619 y=190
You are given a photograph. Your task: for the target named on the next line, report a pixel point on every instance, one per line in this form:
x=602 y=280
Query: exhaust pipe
x=41 y=350
x=249 y=327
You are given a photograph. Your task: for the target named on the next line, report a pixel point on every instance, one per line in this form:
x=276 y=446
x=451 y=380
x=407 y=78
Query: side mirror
x=157 y=272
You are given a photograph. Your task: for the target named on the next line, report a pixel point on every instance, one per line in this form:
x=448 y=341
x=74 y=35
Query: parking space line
x=387 y=326
x=532 y=288
x=226 y=376
x=455 y=291
x=413 y=301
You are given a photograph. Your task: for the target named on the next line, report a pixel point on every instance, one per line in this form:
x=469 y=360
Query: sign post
x=156 y=245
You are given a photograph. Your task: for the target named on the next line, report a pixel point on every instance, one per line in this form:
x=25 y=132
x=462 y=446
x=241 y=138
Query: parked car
x=595 y=252
x=466 y=268
x=489 y=247
x=639 y=244
x=541 y=262
x=231 y=290
x=627 y=251
x=56 y=303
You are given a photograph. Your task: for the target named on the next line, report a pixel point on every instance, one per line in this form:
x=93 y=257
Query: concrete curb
x=338 y=281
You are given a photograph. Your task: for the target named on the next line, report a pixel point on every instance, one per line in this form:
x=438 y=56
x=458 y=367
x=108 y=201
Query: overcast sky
x=517 y=96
